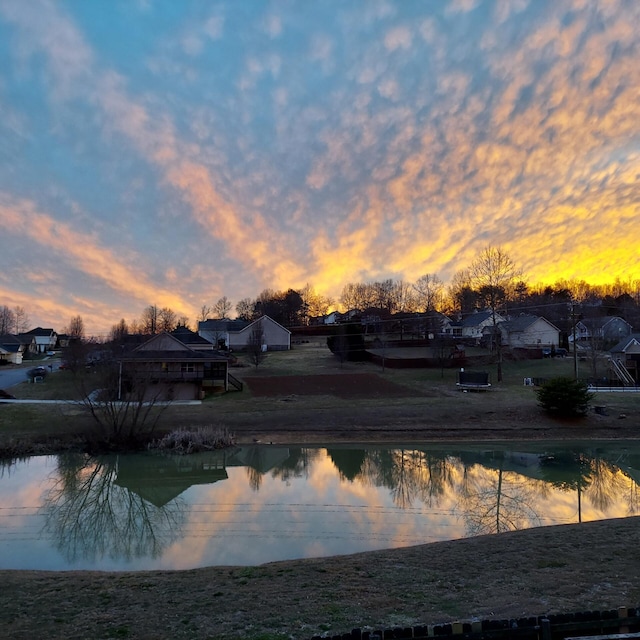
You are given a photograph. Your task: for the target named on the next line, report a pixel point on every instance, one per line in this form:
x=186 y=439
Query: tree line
x=13 y=321
x=492 y=281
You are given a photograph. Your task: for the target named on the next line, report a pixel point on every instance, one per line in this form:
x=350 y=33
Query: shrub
x=565 y=397
x=186 y=441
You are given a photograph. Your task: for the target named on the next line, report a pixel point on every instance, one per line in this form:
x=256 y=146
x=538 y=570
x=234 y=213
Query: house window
x=187 y=367
x=165 y=367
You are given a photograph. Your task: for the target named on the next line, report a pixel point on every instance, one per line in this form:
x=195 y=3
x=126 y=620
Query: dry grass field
x=306 y=395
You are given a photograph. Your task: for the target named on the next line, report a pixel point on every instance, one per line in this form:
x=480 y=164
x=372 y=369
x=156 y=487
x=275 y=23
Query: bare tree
x=136 y=327
x=75 y=330
x=204 y=313
x=428 y=291
x=123 y=401
x=493 y=273
x=403 y=298
x=460 y=294
x=256 y=352
x=245 y=308
x=167 y=319
x=315 y=304
x=222 y=308
x=7 y=320
x=383 y=294
x=21 y=319
x=119 y=331
x=356 y=295
x=149 y=319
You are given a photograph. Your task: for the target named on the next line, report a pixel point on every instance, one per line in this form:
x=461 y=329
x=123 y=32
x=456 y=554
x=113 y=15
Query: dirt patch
x=345 y=386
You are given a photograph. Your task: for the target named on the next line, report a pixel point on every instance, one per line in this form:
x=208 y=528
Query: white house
x=527 y=332
x=237 y=334
x=11 y=349
x=478 y=324
x=41 y=340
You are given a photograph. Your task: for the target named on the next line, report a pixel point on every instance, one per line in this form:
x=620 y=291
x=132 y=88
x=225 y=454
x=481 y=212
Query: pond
x=251 y=505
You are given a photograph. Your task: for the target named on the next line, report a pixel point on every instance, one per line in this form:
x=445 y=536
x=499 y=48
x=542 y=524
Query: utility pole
x=575 y=351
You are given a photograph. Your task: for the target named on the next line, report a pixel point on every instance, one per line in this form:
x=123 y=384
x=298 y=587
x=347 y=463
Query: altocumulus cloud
x=177 y=152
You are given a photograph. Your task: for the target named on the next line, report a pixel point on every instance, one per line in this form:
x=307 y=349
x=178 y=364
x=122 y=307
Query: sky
x=173 y=152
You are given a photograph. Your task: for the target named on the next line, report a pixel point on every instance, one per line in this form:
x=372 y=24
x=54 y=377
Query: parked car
x=561 y=353
x=37 y=372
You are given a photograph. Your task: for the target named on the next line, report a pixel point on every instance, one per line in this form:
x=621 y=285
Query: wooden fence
x=623 y=622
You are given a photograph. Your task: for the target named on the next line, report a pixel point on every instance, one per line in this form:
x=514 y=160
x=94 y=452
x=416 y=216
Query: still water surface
x=258 y=504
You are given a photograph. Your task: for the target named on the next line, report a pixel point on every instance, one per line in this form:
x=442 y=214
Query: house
x=11 y=349
x=237 y=334
x=527 y=332
x=164 y=368
x=609 y=329
x=478 y=325
x=192 y=339
x=40 y=340
x=627 y=354
x=333 y=318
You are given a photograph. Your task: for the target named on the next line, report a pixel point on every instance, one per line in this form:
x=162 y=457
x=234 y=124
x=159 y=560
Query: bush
x=565 y=397
x=186 y=441
x=348 y=343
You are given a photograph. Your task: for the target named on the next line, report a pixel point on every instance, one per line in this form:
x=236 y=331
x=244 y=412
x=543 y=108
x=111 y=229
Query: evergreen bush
x=565 y=397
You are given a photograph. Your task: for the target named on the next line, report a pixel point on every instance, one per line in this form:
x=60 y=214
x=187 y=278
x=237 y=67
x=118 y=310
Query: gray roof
x=622 y=346
x=10 y=343
x=600 y=321
x=474 y=319
x=39 y=331
x=188 y=337
x=222 y=325
x=523 y=322
x=179 y=352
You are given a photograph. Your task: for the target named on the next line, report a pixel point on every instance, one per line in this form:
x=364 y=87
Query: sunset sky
x=173 y=152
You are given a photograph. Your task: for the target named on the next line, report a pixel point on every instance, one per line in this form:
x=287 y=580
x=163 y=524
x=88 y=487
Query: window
x=187 y=367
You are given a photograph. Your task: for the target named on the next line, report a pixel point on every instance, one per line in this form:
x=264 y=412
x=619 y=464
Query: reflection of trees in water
x=633 y=498
x=348 y=462
x=7 y=465
x=90 y=516
x=495 y=500
x=260 y=460
x=592 y=478
x=608 y=482
x=297 y=465
x=410 y=474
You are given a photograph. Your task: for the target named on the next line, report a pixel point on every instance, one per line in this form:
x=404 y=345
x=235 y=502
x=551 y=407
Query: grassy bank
x=534 y=572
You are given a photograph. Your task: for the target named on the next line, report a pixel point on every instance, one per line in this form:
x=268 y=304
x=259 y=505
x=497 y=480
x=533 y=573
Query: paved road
x=11 y=375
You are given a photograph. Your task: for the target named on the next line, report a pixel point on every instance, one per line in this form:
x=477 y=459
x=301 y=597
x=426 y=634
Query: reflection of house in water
x=160 y=479
x=260 y=458
x=524 y=463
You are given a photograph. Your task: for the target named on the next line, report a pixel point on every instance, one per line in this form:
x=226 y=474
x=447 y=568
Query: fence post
x=545 y=628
